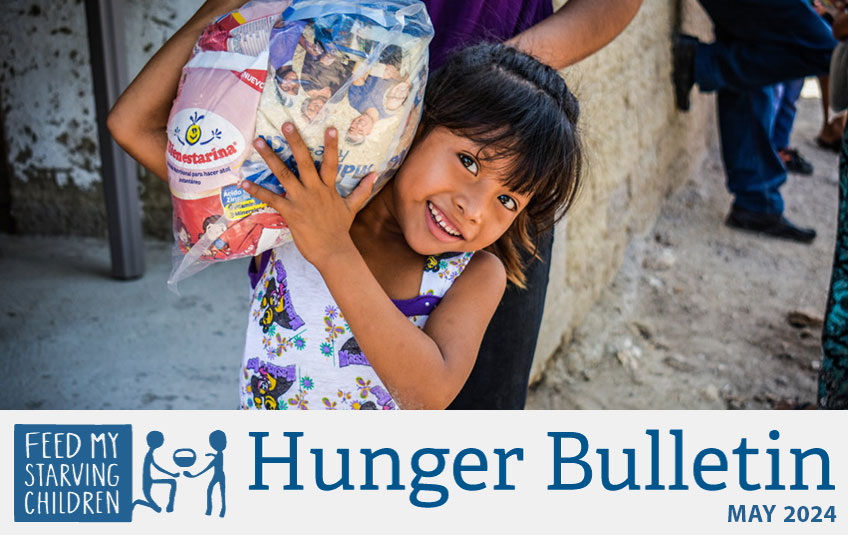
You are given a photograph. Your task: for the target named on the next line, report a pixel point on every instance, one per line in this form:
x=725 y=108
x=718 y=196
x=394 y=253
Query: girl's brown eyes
x=508 y=202
x=468 y=162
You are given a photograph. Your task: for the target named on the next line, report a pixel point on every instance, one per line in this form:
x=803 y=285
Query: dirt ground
x=701 y=316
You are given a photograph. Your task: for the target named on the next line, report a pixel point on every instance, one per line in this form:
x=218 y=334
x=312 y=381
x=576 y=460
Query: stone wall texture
x=638 y=146
x=638 y=149
x=52 y=176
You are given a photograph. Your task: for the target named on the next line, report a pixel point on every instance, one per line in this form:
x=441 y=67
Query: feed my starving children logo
x=83 y=473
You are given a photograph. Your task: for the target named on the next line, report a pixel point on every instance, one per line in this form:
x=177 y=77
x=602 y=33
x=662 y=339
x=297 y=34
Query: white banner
x=488 y=472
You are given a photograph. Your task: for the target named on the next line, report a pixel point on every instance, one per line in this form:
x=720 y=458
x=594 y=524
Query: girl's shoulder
x=466 y=308
x=448 y=264
x=486 y=265
x=480 y=269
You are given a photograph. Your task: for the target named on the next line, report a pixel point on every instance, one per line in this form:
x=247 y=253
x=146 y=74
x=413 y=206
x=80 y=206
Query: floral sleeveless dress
x=299 y=350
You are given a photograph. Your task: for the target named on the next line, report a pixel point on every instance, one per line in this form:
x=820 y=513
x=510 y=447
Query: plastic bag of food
x=358 y=66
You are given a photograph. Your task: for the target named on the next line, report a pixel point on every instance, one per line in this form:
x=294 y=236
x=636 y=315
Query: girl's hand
x=319 y=218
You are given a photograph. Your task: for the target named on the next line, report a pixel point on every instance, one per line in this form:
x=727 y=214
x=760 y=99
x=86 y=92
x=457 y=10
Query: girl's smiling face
x=446 y=199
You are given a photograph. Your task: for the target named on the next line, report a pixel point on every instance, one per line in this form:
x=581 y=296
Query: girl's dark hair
x=518 y=108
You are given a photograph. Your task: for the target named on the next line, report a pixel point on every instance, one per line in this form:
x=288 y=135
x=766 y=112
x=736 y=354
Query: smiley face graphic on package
x=193 y=134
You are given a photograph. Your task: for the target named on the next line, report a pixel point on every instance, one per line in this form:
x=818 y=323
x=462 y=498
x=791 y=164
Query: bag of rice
x=358 y=66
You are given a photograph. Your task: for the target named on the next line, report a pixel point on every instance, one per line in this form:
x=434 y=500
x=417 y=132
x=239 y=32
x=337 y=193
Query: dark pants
x=786 y=94
x=758 y=43
x=500 y=375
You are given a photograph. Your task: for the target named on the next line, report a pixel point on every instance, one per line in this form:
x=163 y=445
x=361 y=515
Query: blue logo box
x=73 y=473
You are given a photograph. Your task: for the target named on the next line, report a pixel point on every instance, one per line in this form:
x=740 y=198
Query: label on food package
x=202 y=140
x=237 y=203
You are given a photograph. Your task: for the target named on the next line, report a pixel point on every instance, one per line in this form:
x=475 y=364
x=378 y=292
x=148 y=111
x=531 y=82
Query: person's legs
x=146 y=503
x=784 y=111
x=754 y=171
x=761 y=42
x=222 y=483
x=172 y=495
x=758 y=43
x=502 y=371
x=786 y=94
x=209 y=489
x=778 y=90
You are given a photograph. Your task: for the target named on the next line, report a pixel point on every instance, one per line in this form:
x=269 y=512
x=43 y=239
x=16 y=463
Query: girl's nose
x=470 y=207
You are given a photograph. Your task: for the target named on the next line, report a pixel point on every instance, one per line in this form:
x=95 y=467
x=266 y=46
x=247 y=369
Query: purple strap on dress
x=256 y=274
x=417 y=306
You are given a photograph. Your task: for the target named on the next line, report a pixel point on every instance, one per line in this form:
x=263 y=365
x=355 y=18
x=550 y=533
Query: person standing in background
x=501 y=374
x=786 y=94
x=758 y=43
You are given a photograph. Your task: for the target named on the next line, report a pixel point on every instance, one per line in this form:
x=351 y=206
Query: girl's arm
x=421 y=369
x=139 y=118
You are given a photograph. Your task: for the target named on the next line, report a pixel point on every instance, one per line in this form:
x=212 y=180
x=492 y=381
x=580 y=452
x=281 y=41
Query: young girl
x=385 y=306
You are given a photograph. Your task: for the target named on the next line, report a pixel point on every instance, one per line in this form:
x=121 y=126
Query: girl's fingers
x=301 y=153
x=277 y=202
x=330 y=165
x=356 y=200
x=275 y=164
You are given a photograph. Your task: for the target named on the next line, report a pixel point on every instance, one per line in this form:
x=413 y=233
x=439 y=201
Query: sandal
x=834 y=145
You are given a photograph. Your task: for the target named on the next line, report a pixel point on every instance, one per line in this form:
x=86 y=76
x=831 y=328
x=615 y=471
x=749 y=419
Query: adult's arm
x=577 y=30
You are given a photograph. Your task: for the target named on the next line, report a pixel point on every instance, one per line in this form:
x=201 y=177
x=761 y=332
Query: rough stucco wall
x=638 y=149
x=49 y=123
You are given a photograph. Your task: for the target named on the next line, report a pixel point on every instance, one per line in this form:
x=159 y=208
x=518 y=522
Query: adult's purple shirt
x=463 y=22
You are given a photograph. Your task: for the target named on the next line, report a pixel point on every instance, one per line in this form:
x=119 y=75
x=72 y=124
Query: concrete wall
x=49 y=128
x=638 y=146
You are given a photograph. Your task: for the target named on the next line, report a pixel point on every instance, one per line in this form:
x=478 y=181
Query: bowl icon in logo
x=184 y=457
x=193 y=134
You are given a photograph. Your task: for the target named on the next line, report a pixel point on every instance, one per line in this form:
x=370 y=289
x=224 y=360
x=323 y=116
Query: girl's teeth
x=441 y=223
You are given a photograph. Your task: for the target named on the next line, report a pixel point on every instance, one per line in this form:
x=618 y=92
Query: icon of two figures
x=184 y=458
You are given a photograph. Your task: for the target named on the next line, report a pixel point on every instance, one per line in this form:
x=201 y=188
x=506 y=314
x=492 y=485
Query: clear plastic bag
x=358 y=66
